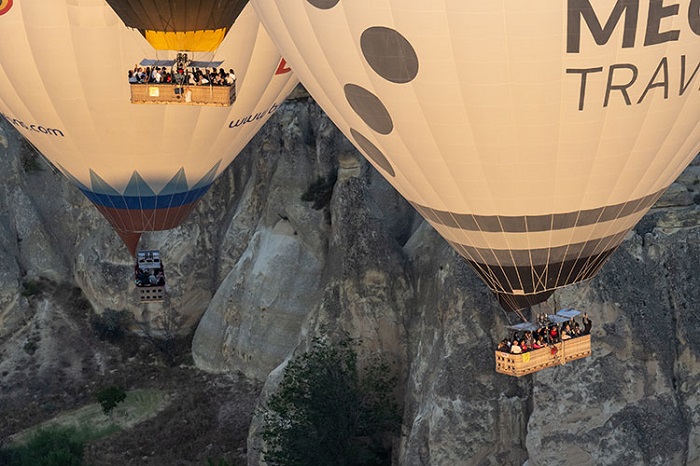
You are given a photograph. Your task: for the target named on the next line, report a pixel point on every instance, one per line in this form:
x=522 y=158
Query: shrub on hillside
x=109 y=397
x=31 y=288
x=221 y=462
x=53 y=447
x=30 y=347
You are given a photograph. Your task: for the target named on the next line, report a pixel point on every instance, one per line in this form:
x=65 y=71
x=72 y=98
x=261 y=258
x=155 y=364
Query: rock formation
x=301 y=236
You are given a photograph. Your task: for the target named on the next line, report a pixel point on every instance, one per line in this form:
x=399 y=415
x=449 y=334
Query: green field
x=91 y=423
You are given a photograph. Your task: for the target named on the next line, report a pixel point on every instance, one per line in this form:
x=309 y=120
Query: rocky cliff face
x=259 y=271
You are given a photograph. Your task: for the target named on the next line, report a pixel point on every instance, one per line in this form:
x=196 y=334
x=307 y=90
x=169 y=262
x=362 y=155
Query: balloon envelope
x=63 y=85
x=192 y=25
x=532 y=135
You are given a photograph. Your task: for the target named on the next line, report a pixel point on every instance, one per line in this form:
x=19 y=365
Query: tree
x=109 y=397
x=326 y=413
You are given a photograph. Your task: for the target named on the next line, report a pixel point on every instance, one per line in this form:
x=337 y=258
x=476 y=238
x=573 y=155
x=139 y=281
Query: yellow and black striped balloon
x=192 y=25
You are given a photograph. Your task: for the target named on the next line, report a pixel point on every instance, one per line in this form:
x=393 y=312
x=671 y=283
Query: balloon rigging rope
x=520 y=314
x=167 y=21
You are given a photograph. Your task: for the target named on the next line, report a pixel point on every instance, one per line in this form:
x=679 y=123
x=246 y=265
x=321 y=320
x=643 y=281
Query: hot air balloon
x=63 y=85
x=198 y=25
x=193 y=26
x=531 y=135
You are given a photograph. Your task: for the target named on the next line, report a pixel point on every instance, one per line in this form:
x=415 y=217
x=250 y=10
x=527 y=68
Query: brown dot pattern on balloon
x=389 y=54
x=394 y=59
x=372 y=152
x=369 y=108
x=323 y=4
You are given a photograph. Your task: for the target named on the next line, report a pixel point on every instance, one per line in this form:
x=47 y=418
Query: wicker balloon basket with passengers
x=553 y=354
x=149 y=276
x=182 y=94
x=536 y=360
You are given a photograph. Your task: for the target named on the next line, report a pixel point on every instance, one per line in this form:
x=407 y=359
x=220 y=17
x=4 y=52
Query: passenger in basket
x=515 y=347
x=524 y=346
x=565 y=333
x=230 y=77
x=587 y=324
x=155 y=75
x=554 y=335
x=576 y=331
x=142 y=278
x=529 y=339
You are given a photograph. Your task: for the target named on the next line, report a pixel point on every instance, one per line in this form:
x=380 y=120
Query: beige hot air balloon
x=63 y=85
x=532 y=135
